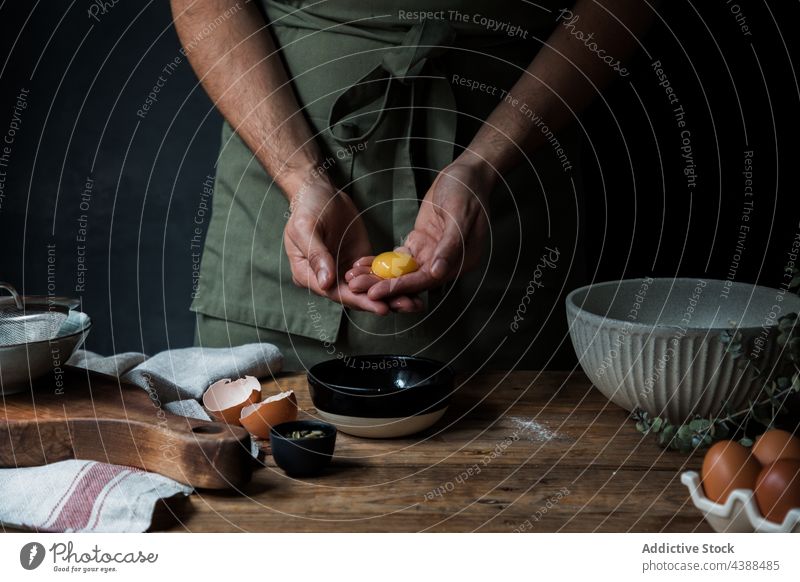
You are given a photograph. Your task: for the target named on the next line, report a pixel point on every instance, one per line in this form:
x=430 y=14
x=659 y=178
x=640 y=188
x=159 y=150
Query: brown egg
x=258 y=418
x=778 y=489
x=775 y=445
x=728 y=466
x=224 y=399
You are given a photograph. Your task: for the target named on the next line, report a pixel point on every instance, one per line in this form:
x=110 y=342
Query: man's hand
x=447 y=239
x=324 y=231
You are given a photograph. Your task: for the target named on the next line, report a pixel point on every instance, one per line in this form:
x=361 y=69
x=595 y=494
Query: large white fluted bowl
x=656 y=343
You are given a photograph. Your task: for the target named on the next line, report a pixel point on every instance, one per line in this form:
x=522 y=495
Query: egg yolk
x=393 y=264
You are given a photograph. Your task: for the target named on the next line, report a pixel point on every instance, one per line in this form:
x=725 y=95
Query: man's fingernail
x=439 y=268
x=322 y=276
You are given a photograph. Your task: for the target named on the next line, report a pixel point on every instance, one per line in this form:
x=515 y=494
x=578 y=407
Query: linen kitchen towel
x=185 y=373
x=83 y=496
x=87 y=496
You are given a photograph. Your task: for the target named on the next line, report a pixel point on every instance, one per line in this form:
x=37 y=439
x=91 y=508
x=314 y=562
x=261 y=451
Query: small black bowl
x=381 y=396
x=302 y=457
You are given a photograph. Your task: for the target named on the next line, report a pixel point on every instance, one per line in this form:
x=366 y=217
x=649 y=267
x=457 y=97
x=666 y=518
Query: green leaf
x=746 y=442
x=657 y=424
x=666 y=435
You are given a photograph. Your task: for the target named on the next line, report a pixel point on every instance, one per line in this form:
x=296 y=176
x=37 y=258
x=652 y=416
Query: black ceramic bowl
x=302 y=457
x=381 y=396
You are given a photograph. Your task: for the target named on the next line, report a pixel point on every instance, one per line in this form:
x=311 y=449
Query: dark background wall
x=87 y=80
x=84 y=79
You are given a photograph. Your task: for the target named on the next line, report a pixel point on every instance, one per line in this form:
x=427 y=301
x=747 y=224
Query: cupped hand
x=323 y=236
x=447 y=239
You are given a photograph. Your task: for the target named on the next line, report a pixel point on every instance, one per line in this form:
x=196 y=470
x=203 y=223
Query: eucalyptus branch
x=702 y=432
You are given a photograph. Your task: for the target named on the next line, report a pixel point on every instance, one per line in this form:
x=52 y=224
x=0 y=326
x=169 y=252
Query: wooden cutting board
x=95 y=417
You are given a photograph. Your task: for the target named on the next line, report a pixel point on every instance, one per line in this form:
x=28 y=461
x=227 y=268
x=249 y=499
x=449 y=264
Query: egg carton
x=740 y=513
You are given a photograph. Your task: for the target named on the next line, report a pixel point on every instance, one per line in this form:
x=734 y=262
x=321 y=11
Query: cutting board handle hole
x=208 y=429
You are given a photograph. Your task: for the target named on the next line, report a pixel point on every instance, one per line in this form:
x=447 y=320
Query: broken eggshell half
x=225 y=399
x=260 y=417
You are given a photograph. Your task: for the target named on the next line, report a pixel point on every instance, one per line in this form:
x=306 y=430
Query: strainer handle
x=10 y=288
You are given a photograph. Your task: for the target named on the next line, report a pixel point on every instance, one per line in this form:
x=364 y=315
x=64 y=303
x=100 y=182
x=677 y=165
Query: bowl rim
x=571 y=304
x=445 y=369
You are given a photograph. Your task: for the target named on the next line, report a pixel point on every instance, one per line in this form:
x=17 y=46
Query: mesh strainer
x=37 y=335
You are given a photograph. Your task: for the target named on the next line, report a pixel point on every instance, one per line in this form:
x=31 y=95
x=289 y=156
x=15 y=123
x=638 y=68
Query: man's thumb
x=321 y=262
x=449 y=250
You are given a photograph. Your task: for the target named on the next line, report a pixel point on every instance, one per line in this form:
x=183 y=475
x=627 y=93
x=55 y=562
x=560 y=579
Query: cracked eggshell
x=225 y=399
x=260 y=417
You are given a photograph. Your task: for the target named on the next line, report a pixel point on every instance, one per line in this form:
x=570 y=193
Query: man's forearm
x=563 y=78
x=241 y=71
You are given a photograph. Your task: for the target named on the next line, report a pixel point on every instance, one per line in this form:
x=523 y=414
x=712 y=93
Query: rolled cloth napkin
x=87 y=496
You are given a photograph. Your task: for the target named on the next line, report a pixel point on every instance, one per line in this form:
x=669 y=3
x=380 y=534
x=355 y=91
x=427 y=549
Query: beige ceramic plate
x=382 y=428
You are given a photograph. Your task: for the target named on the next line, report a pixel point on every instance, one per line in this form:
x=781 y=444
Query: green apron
x=385 y=92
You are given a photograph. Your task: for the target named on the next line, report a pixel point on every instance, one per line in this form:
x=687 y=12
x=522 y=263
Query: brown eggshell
x=776 y=445
x=224 y=400
x=728 y=466
x=778 y=489
x=260 y=417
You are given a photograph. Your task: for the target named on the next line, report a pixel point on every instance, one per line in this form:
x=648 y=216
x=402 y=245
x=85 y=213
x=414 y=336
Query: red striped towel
x=83 y=496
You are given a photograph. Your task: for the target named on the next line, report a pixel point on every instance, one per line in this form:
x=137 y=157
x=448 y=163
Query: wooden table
x=528 y=451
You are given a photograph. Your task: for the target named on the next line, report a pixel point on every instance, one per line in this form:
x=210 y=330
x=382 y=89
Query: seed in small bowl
x=305 y=434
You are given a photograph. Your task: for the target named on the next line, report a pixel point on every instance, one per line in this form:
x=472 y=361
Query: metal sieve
x=37 y=335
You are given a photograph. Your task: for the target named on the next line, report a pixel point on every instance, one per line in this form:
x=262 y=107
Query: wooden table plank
x=525 y=450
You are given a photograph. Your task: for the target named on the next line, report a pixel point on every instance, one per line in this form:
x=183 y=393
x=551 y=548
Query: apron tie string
x=359 y=110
